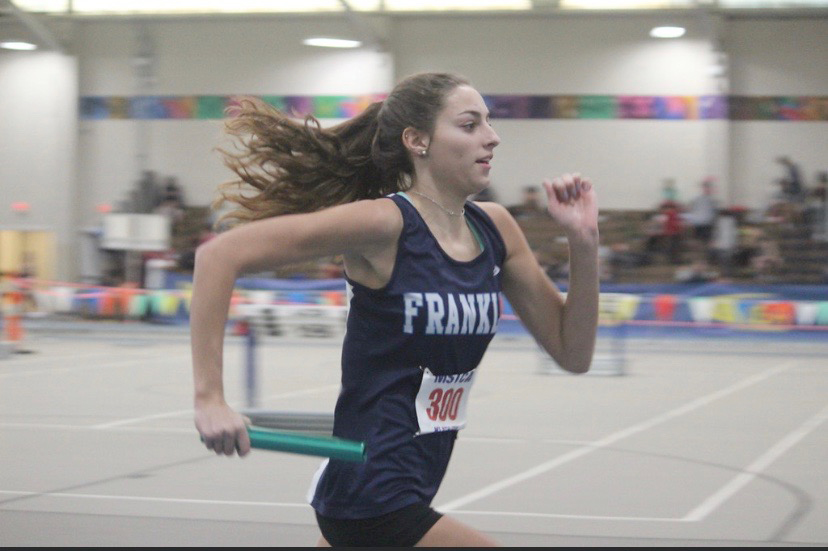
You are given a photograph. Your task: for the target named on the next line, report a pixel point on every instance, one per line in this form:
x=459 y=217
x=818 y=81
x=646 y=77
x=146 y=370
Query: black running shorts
x=402 y=528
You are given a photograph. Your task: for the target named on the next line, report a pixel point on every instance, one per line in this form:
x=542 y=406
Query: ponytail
x=285 y=166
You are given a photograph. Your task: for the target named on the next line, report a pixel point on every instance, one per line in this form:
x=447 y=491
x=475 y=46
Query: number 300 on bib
x=441 y=401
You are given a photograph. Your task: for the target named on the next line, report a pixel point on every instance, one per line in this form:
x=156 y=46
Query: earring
x=422 y=153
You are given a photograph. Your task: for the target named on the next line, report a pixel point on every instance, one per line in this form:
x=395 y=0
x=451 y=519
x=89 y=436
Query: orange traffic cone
x=12 y=321
x=14 y=331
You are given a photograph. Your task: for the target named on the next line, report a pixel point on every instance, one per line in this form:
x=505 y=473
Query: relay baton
x=306 y=444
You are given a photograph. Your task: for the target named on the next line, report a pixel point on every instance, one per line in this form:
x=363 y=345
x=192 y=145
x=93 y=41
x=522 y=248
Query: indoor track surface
x=699 y=443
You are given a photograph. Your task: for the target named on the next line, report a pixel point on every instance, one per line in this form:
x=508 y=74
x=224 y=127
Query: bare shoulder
x=364 y=228
x=494 y=210
x=380 y=218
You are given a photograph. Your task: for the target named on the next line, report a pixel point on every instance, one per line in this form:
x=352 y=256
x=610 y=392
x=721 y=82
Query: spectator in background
x=794 y=187
x=653 y=236
x=820 y=190
x=673 y=231
x=664 y=231
x=530 y=206
x=671 y=217
x=767 y=258
x=171 y=204
x=173 y=192
x=669 y=193
x=780 y=208
x=725 y=242
x=816 y=207
x=701 y=213
x=147 y=196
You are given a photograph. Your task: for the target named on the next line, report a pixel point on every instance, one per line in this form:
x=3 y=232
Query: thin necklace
x=447 y=211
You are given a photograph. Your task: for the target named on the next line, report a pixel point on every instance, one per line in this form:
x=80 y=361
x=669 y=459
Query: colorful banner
x=747 y=310
x=617 y=307
x=779 y=108
x=215 y=107
x=502 y=106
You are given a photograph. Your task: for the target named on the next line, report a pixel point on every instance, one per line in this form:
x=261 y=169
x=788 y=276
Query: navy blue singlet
x=422 y=334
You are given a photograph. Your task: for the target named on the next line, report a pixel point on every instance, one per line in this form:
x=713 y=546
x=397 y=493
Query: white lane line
x=280 y=396
x=133 y=420
x=569 y=517
x=54 y=426
x=152 y=499
x=611 y=439
x=758 y=466
x=103 y=363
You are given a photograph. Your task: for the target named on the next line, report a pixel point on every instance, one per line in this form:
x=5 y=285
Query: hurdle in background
x=265 y=319
x=745 y=315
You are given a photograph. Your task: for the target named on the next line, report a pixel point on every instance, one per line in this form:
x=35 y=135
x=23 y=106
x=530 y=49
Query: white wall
x=502 y=54
x=38 y=135
x=556 y=54
x=776 y=58
x=202 y=56
x=628 y=159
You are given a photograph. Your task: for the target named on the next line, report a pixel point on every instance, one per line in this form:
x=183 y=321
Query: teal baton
x=306 y=444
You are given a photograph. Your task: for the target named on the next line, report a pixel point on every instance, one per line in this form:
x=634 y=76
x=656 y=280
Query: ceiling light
x=157 y=7
x=623 y=4
x=332 y=42
x=460 y=5
x=18 y=45
x=667 y=32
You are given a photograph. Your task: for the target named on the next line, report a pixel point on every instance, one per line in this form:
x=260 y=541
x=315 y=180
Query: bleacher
x=804 y=259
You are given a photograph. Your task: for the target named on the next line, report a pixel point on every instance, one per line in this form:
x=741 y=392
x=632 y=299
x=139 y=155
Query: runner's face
x=461 y=147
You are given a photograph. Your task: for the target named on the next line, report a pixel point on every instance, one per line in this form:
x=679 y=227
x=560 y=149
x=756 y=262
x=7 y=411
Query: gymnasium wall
x=776 y=58
x=38 y=153
x=69 y=165
x=579 y=56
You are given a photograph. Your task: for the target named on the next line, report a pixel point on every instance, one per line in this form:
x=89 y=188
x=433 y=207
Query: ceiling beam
x=363 y=27
x=43 y=34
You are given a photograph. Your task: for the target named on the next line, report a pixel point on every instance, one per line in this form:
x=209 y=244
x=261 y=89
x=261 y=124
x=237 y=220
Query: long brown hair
x=285 y=165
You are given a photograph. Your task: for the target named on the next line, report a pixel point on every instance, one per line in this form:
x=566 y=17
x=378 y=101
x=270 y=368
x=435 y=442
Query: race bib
x=441 y=401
